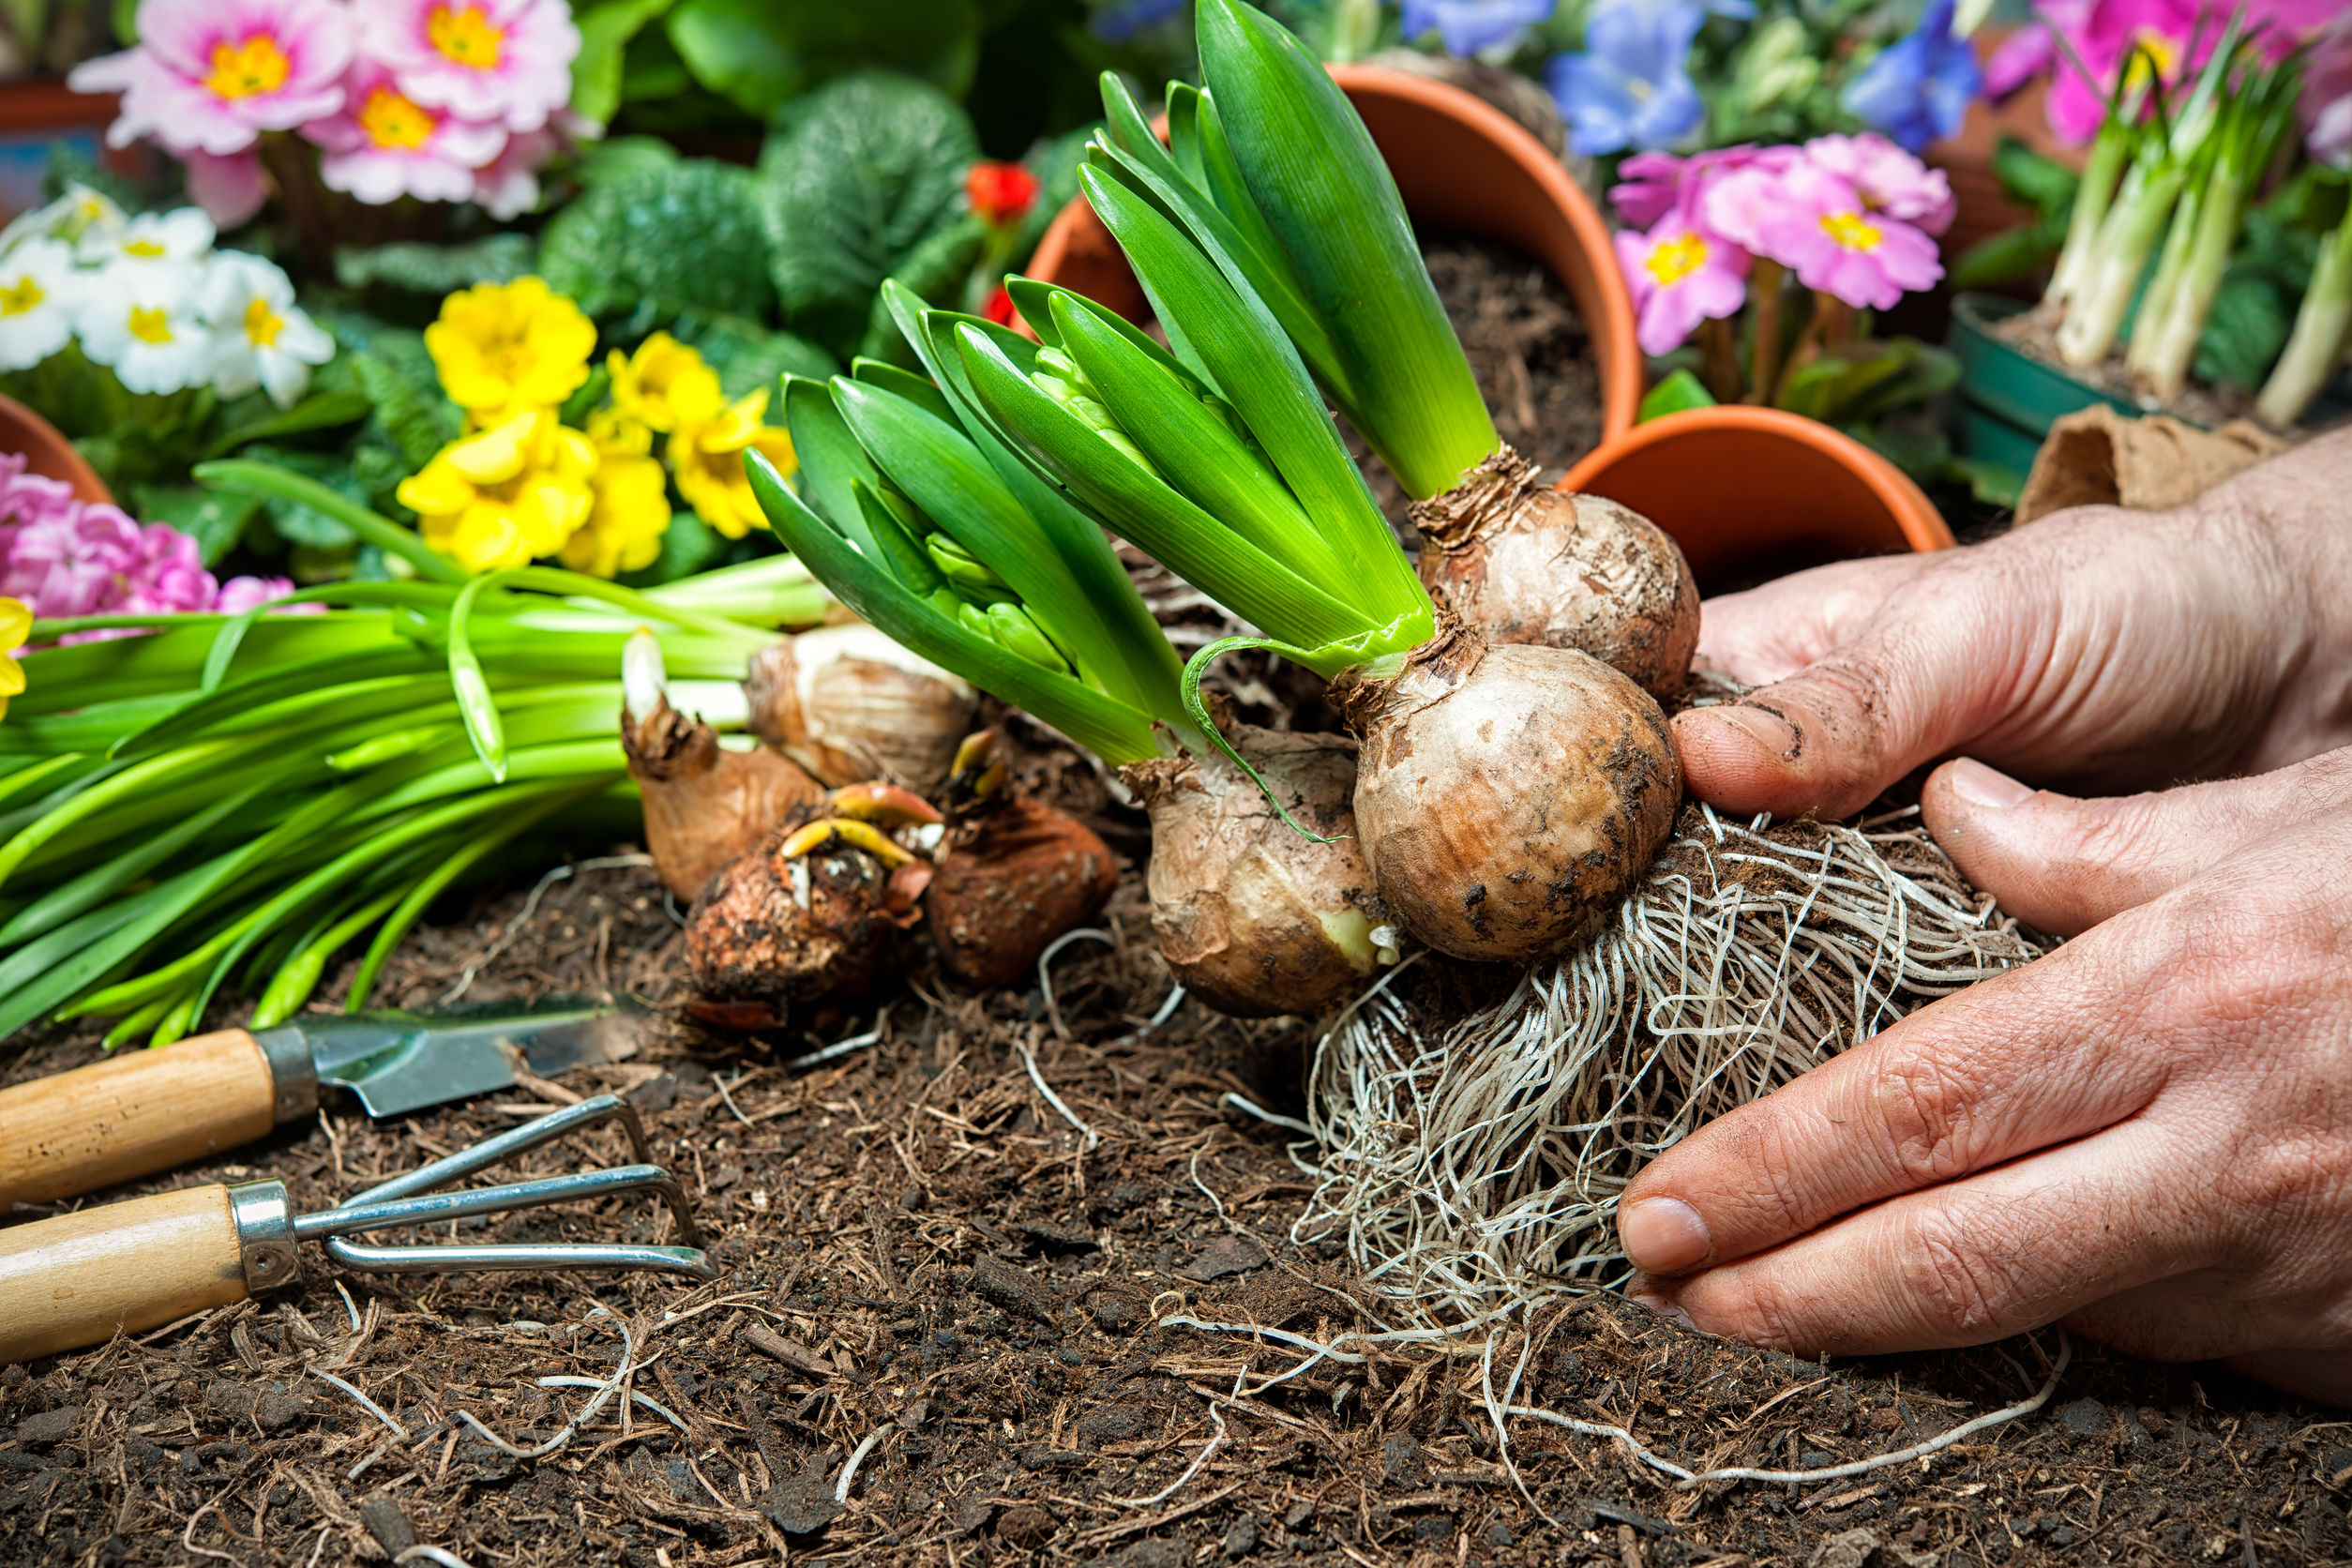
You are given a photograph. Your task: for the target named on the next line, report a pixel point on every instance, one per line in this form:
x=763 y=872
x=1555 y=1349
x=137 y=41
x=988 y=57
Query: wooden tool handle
x=75 y=1279
x=132 y=1115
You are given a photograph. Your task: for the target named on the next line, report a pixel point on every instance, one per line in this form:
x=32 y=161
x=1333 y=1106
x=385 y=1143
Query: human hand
x=2146 y=1133
x=2101 y=648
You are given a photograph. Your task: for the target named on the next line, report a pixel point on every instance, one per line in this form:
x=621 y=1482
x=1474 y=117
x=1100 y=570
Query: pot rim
x=59 y=458
x=1923 y=526
x=1623 y=373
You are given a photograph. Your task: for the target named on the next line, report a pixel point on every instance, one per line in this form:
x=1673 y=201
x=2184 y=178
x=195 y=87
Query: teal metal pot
x=2009 y=400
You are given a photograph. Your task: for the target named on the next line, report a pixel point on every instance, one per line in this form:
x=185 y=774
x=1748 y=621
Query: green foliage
x=761 y=55
x=434 y=270
x=2046 y=189
x=858 y=176
x=683 y=237
x=605 y=31
x=747 y=354
x=1866 y=381
x=1677 y=390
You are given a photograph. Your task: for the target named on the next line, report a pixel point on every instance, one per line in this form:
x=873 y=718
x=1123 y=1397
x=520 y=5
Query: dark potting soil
x=2035 y=332
x=916 y=1243
x=1528 y=348
x=923 y=1259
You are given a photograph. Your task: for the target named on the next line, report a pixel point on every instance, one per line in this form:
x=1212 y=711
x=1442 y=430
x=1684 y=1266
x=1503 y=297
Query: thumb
x=2065 y=864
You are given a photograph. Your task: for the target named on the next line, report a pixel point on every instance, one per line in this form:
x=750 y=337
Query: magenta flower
x=229 y=188
x=508 y=185
x=241 y=594
x=505 y=62
x=2326 y=105
x=1818 y=225
x=211 y=75
x=384 y=144
x=1889 y=179
x=1679 y=276
x=1656 y=183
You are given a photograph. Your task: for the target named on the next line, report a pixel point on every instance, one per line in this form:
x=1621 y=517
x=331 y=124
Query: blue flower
x=1122 y=23
x=1469 y=26
x=1918 y=89
x=1630 y=88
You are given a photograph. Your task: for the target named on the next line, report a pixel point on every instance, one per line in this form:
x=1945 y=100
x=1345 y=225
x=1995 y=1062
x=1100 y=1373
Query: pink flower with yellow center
x=1818 y=225
x=506 y=62
x=209 y=76
x=1679 y=275
x=384 y=144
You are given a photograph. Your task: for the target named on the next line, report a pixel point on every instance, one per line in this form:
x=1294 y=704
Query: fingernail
x=1663 y=1235
x=1979 y=785
x=1662 y=1306
x=1772 y=733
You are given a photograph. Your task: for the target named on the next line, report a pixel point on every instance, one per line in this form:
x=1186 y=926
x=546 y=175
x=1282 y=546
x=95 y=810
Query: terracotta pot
x=1463 y=167
x=1751 y=493
x=47 y=452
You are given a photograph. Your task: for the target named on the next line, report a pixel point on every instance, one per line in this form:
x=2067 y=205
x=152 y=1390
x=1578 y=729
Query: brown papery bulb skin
x=766 y=933
x=852 y=707
x=704 y=803
x=1016 y=875
x=1518 y=563
x=1507 y=795
x=1255 y=918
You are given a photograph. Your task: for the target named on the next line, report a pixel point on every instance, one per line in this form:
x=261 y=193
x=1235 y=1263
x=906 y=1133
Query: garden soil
x=926 y=1267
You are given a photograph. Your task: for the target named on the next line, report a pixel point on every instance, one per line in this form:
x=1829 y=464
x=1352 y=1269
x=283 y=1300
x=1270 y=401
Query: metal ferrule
x=293 y=1077
x=265 y=1234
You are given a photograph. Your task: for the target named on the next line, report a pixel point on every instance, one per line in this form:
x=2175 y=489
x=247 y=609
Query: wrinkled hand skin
x=2148 y=1133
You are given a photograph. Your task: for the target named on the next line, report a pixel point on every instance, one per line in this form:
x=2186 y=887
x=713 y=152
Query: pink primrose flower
x=384 y=144
x=229 y=188
x=1679 y=276
x=241 y=594
x=508 y=185
x=1816 y=223
x=211 y=75
x=1891 y=180
x=506 y=62
x=2114 y=35
x=1655 y=183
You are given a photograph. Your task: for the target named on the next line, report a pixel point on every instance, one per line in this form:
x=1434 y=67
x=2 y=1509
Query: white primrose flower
x=181 y=237
x=39 y=292
x=145 y=322
x=78 y=212
x=259 y=337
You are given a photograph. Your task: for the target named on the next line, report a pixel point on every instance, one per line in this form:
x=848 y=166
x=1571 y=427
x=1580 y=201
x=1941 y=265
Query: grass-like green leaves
x=1324 y=193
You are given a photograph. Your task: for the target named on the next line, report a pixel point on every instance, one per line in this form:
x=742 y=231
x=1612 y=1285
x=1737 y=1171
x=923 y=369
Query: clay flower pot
x=1462 y=167
x=1758 y=493
x=47 y=452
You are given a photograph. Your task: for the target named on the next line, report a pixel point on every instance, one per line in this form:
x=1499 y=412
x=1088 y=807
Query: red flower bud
x=1000 y=193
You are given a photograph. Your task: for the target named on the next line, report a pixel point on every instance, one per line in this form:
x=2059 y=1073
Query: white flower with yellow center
x=259 y=337
x=78 y=212
x=39 y=288
x=145 y=323
x=176 y=239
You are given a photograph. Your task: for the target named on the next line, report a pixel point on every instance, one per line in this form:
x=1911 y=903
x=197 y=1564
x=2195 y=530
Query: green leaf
x=941 y=472
x=763 y=55
x=891 y=521
x=832 y=462
x=239 y=477
x=1329 y=199
x=418 y=419
x=1189 y=541
x=1111 y=730
x=906 y=384
x=1677 y=392
x=621 y=156
x=215 y=522
x=870 y=167
x=684 y=238
x=747 y=355
x=434 y=269
x=2042 y=184
x=934 y=272
x=1254 y=364
x=605 y=31
x=320 y=410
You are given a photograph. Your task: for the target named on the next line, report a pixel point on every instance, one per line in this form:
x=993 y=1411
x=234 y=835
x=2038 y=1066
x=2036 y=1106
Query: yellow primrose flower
x=665 y=385
x=632 y=512
x=708 y=462
x=617 y=435
x=16 y=625
x=503 y=347
x=505 y=496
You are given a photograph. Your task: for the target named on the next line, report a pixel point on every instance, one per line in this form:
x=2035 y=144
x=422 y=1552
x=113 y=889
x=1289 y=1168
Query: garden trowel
x=145 y=1110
